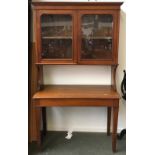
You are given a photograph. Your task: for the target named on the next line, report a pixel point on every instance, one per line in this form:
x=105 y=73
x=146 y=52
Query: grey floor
x=80 y=144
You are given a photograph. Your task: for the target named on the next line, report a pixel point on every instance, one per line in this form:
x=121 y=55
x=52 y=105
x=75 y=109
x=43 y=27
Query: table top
x=77 y=91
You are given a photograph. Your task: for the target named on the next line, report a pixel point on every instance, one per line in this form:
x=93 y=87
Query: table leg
x=38 y=118
x=114 y=132
x=44 y=120
x=108 y=120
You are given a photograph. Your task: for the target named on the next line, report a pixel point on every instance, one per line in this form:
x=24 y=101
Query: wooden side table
x=78 y=95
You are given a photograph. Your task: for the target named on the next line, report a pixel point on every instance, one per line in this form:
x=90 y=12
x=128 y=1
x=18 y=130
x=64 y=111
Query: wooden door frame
x=114 y=59
x=39 y=13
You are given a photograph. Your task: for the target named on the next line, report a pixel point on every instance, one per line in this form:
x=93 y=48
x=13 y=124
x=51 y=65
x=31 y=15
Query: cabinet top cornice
x=46 y=5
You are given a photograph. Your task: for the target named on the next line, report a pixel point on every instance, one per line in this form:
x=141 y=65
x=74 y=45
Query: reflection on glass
x=56 y=34
x=97 y=36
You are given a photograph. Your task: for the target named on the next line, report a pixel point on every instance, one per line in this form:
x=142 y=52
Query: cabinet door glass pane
x=97 y=32
x=56 y=36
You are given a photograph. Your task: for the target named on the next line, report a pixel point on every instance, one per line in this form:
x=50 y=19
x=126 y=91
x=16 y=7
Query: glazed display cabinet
x=85 y=33
x=71 y=36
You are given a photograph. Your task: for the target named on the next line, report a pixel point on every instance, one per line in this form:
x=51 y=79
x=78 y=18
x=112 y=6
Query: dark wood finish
x=108 y=120
x=32 y=90
x=76 y=5
x=41 y=102
x=76 y=10
x=39 y=13
x=44 y=121
x=115 y=122
x=40 y=86
x=76 y=91
x=114 y=49
x=35 y=83
x=117 y=35
x=113 y=76
x=38 y=118
x=77 y=95
x=39 y=77
x=110 y=102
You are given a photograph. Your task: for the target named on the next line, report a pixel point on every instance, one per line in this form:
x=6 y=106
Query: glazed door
x=56 y=42
x=97 y=37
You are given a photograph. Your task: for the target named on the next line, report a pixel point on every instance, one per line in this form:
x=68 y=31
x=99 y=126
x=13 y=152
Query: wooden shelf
x=98 y=37
x=57 y=37
x=69 y=37
x=76 y=91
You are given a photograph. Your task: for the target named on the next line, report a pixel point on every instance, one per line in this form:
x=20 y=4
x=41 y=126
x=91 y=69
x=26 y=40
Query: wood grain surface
x=77 y=91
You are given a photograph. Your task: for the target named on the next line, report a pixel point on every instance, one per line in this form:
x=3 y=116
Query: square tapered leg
x=38 y=118
x=114 y=131
x=108 y=120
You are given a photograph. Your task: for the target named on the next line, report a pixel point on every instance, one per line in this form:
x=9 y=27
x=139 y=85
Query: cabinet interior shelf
x=57 y=37
x=98 y=37
x=69 y=37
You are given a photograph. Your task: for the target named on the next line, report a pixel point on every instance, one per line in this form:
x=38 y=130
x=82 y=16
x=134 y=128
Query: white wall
x=77 y=118
x=85 y=118
x=122 y=66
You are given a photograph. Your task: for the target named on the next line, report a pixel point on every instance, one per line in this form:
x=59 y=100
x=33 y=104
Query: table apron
x=76 y=102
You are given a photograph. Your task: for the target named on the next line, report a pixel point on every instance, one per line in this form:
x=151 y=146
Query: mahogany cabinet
x=79 y=33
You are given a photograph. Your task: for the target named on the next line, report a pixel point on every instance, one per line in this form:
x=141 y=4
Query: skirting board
x=84 y=129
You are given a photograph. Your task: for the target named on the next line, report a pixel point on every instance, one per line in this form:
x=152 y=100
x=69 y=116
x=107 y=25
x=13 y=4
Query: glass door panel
x=97 y=36
x=56 y=36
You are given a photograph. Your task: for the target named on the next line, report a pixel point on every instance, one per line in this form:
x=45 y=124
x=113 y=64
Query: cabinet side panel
x=32 y=90
x=117 y=35
x=36 y=34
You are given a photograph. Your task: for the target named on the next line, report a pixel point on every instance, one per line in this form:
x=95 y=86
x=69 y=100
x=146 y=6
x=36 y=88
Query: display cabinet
x=76 y=35
x=85 y=33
